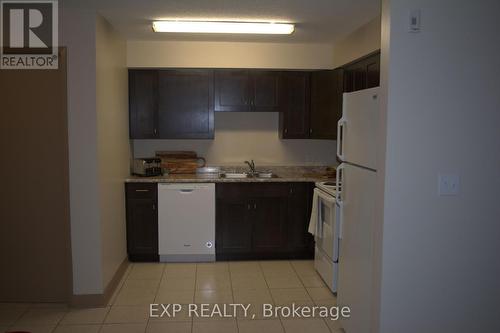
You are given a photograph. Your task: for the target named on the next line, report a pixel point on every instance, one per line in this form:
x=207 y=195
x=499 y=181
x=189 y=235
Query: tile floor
x=252 y=282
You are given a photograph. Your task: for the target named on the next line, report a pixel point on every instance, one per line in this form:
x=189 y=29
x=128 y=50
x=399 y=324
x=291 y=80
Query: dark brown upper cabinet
x=264 y=89
x=185 y=104
x=295 y=105
x=171 y=104
x=311 y=104
x=232 y=91
x=246 y=90
x=362 y=73
x=326 y=103
x=143 y=111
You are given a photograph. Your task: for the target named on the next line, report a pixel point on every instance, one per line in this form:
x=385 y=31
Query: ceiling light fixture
x=218 y=27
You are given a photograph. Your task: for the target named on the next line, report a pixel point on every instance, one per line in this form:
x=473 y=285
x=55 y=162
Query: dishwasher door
x=186 y=222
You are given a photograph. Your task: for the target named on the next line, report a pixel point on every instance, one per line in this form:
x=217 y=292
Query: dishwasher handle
x=186 y=191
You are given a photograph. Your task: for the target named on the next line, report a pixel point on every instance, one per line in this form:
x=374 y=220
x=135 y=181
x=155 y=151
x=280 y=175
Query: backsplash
x=245 y=136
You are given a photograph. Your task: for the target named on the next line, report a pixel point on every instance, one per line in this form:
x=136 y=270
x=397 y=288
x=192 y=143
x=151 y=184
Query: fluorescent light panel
x=223 y=27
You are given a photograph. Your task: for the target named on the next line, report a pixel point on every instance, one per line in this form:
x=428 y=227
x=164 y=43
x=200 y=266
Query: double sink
x=238 y=175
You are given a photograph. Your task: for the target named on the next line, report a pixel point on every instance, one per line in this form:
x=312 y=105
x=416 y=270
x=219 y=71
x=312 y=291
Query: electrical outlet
x=448 y=184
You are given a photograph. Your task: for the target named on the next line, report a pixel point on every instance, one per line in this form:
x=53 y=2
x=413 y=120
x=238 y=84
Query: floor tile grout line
x=232 y=295
x=163 y=272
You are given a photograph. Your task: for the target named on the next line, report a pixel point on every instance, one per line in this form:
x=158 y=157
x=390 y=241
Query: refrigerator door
x=357 y=207
x=358 y=128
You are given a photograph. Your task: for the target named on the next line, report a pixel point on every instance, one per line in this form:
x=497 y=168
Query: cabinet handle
x=142 y=190
x=311 y=130
x=248 y=206
x=254 y=206
x=286 y=130
x=154 y=207
x=155 y=131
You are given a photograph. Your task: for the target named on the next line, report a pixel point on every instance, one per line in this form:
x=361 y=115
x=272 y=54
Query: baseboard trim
x=98 y=300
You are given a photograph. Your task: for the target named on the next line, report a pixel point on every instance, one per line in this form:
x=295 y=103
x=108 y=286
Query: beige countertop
x=284 y=174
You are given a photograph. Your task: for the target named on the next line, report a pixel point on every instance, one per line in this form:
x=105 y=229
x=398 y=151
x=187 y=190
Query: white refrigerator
x=356 y=178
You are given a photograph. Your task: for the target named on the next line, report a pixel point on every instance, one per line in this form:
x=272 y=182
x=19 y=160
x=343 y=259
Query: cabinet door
x=264 y=86
x=142 y=222
x=294 y=104
x=185 y=104
x=326 y=103
x=269 y=224
x=232 y=90
x=363 y=73
x=143 y=104
x=233 y=227
x=300 y=241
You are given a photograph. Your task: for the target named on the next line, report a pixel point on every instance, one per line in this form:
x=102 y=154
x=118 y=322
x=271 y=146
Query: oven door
x=326 y=227
x=327 y=243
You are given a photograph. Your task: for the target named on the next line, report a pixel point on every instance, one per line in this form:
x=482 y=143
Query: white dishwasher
x=186 y=222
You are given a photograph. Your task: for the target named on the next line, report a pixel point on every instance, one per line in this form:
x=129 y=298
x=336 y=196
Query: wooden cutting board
x=180 y=161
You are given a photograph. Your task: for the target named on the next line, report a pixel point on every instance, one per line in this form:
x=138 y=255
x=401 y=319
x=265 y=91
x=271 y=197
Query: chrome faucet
x=251 y=165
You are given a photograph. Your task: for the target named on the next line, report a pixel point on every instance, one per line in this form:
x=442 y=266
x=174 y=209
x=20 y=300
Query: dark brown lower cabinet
x=263 y=221
x=142 y=221
x=300 y=241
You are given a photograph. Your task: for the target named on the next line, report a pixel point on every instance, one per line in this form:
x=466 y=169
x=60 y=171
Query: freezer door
x=358 y=128
x=355 y=258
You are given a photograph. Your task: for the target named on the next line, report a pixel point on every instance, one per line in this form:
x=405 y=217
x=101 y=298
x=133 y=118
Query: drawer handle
x=142 y=190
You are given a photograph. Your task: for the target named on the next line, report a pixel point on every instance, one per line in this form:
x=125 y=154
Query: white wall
x=440 y=270
x=244 y=136
x=78 y=35
x=229 y=55
x=362 y=41
x=113 y=143
x=98 y=147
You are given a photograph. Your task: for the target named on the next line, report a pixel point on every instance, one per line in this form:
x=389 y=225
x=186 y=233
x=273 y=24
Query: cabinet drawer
x=252 y=190
x=141 y=190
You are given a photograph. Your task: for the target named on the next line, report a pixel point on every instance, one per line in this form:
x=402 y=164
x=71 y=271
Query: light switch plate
x=414 y=22
x=448 y=184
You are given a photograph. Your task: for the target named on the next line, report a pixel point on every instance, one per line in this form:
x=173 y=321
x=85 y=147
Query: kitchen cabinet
x=143 y=111
x=295 y=105
x=171 y=104
x=185 y=104
x=326 y=103
x=142 y=221
x=311 y=104
x=362 y=73
x=300 y=241
x=256 y=221
x=246 y=90
x=233 y=224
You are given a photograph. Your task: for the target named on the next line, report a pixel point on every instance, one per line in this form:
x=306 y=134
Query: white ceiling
x=317 y=21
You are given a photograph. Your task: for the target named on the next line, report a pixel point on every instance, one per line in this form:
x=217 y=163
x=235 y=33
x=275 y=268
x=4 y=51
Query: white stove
x=329 y=187
x=326 y=235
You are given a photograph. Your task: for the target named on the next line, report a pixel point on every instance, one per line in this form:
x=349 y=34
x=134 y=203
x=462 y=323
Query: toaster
x=146 y=167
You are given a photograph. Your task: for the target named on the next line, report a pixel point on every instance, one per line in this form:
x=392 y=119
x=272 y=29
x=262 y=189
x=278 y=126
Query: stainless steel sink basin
x=236 y=175
x=233 y=175
x=265 y=175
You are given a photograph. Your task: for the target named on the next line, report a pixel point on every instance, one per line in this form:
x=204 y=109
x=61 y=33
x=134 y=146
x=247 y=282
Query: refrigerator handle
x=341 y=127
x=340 y=185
